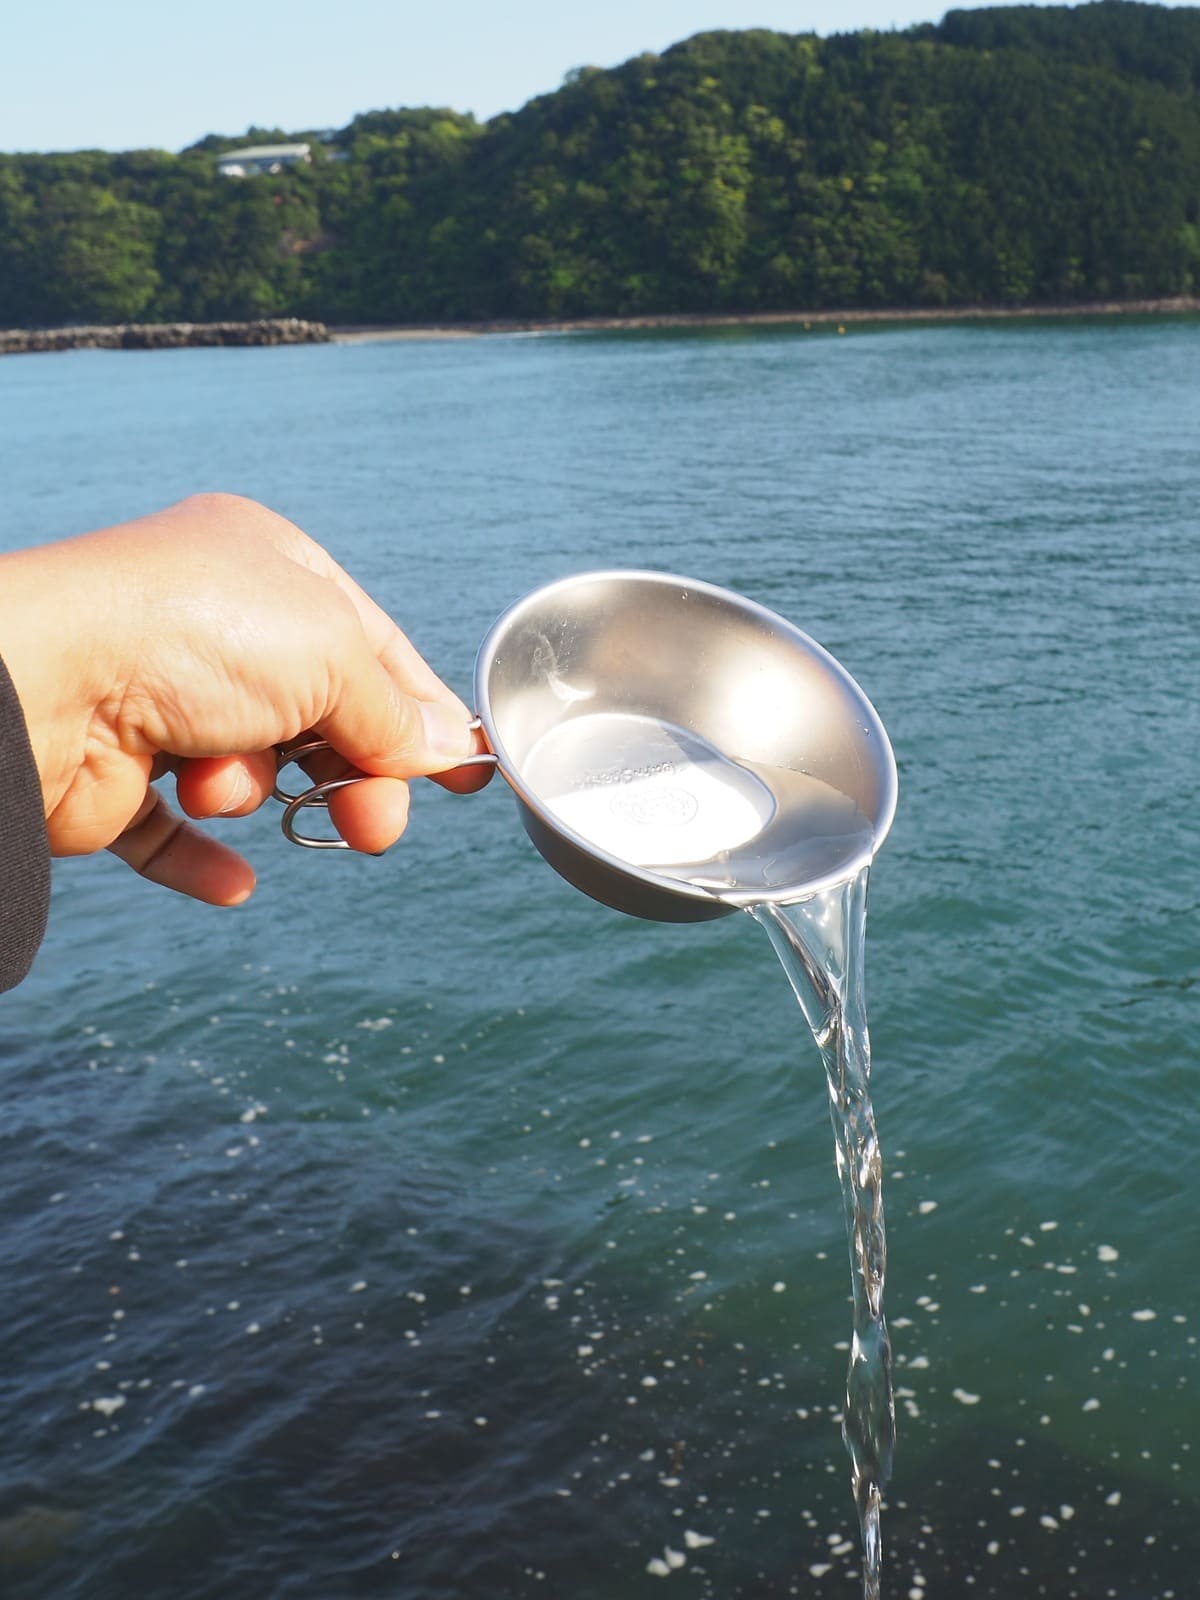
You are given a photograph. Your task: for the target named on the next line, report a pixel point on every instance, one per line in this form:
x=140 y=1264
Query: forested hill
x=1009 y=155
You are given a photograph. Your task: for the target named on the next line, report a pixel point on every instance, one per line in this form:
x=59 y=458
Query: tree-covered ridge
x=1143 y=41
x=1016 y=154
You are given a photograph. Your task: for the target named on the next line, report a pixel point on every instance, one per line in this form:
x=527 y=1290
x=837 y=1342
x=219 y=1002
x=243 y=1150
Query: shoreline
x=272 y=331
x=1180 y=305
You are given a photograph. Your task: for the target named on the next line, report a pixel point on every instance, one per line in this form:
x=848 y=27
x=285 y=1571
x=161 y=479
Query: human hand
x=199 y=640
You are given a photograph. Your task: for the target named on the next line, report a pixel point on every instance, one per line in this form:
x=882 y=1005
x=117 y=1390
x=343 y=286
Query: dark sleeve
x=24 y=849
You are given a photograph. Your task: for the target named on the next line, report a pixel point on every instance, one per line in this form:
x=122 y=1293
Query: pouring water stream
x=820 y=944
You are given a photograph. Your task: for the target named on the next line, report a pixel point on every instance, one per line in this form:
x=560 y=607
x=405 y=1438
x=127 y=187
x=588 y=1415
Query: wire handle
x=317 y=795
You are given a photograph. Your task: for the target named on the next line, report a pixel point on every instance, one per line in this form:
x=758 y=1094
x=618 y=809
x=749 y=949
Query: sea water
x=1018 y=575
x=662 y=798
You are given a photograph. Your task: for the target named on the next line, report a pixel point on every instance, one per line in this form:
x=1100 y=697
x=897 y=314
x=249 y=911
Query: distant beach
x=298 y=330
x=1180 y=305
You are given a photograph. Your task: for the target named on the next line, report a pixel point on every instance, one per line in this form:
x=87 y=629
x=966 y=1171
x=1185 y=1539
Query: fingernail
x=446 y=731
x=238 y=794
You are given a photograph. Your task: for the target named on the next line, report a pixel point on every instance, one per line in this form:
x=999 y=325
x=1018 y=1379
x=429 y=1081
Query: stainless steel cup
x=676 y=750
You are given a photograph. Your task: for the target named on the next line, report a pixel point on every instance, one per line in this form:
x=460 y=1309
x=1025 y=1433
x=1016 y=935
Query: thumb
x=382 y=729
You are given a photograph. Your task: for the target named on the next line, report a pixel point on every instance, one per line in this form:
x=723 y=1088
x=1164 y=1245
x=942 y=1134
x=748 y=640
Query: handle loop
x=317 y=795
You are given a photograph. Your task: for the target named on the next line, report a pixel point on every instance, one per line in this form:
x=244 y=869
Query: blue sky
x=122 y=74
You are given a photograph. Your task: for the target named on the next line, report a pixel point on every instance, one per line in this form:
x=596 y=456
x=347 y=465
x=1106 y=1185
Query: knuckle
x=217 y=504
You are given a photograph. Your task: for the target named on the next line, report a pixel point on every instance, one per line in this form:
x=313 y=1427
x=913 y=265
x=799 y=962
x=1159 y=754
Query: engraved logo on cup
x=597 y=779
x=670 y=808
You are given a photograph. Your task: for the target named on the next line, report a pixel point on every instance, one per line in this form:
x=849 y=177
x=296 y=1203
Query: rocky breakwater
x=163 y=335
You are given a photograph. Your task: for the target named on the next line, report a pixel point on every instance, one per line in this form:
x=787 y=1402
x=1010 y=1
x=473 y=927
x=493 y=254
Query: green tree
x=93 y=255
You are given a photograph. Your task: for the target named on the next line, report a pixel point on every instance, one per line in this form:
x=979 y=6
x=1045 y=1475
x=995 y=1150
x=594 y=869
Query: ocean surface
x=423 y=1229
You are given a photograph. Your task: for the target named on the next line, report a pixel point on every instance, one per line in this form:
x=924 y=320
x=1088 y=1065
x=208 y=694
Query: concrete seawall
x=163 y=335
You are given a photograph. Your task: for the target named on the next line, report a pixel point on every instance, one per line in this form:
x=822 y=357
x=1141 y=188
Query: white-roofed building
x=258 y=159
